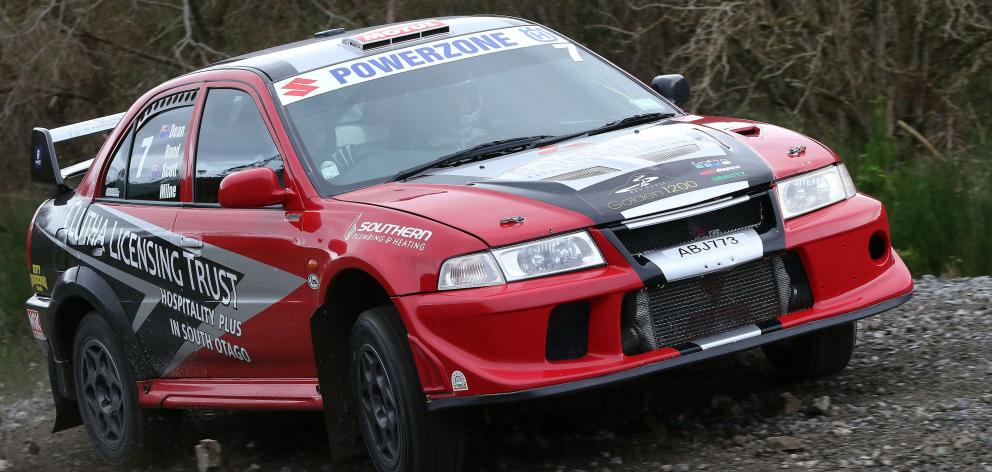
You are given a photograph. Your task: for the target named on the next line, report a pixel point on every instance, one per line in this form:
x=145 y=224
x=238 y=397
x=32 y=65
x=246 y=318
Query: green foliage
x=14 y=287
x=941 y=212
x=940 y=208
x=880 y=153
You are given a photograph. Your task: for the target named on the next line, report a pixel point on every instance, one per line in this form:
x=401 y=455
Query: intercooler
x=678 y=312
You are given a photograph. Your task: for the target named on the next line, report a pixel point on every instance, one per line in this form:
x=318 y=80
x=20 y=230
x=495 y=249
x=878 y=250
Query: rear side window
x=232 y=137
x=157 y=155
x=113 y=182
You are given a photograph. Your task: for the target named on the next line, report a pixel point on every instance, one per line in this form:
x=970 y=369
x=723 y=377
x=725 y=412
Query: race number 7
x=572 y=50
x=146 y=144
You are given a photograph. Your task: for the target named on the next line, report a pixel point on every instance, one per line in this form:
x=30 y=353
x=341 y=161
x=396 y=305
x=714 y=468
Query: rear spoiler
x=44 y=163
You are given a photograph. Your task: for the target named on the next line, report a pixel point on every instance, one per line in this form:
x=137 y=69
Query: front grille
x=688 y=310
x=754 y=213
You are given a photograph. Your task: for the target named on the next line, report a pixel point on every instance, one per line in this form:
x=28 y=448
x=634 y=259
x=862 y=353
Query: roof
x=288 y=60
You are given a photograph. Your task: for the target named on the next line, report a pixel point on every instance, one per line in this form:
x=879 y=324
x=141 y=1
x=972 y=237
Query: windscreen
x=373 y=126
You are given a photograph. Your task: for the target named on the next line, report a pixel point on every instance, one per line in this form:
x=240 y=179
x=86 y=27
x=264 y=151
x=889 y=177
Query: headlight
x=814 y=190
x=523 y=261
x=548 y=256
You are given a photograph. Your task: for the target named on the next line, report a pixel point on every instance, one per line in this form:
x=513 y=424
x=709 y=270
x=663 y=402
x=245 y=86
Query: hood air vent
x=668 y=154
x=581 y=174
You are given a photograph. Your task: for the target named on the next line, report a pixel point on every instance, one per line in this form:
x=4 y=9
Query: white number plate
x=707 y=255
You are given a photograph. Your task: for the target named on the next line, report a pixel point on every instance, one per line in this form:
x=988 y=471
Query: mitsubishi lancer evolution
x=395 y=223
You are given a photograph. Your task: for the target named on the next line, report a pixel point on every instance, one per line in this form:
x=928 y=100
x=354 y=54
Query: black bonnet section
x=625 y=174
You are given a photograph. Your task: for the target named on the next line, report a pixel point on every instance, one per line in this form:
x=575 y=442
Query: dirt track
x=917 y=396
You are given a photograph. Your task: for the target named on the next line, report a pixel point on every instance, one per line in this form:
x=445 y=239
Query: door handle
x=190 y=243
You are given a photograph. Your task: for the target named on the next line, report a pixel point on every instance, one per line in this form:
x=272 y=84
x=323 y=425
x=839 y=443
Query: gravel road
x=917 y=396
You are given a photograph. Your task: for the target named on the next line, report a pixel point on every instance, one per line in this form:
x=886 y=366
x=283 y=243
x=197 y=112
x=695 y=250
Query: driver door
x=248 y=302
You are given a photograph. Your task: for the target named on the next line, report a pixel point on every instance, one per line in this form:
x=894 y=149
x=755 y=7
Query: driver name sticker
x=419 y=56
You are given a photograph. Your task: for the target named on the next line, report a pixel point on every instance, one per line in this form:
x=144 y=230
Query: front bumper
x=496 y=337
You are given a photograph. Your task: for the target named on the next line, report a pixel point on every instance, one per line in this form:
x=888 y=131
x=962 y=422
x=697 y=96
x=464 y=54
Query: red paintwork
x=474 y=210
x=773 y=143
x=495 y=335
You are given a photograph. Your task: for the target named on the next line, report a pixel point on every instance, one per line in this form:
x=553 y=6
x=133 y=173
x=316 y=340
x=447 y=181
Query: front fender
x=402 y=251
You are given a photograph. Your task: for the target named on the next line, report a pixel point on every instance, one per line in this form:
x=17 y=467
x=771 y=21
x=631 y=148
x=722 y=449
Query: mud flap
x=66 y=409
x=344 y=438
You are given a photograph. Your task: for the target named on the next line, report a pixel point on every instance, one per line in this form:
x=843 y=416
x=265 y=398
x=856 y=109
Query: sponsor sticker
x=645 y=103
x=35 y=319
x=299 y=87
x=38 y=280
x=388 y=233
x=707 y=163
x=645 y=188
x=716 y=170
x=458 y=381
x=638 y=182
x=197 y=292
x=419 y=56
x=722 y=177
x=391 y=32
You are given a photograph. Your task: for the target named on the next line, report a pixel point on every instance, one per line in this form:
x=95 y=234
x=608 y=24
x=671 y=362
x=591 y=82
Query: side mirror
x=673 y=87
x=251 y=188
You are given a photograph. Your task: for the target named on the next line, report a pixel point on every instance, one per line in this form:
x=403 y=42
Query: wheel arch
x=349 y=292
x=82 y=290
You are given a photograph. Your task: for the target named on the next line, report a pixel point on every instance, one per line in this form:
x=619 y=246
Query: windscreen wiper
x=627 y=122
x=475 y=153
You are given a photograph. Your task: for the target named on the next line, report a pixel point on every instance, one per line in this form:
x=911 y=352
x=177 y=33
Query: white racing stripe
x=415 y=57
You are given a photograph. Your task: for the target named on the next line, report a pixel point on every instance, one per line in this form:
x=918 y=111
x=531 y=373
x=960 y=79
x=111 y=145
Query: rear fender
x=84 y=283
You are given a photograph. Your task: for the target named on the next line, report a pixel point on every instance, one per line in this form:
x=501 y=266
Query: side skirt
x=231 y=394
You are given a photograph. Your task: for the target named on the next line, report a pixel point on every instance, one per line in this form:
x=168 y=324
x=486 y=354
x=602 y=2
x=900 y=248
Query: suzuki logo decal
x=299 y=87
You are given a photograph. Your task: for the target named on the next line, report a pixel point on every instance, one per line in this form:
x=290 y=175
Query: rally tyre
x=106 y=393
x=399 y=433
x=814 y=355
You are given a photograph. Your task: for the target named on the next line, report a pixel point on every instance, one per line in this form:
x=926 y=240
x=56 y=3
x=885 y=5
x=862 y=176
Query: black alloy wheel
x=102 y=395
x=378 y=402
x=107 y=395
x=399 y=433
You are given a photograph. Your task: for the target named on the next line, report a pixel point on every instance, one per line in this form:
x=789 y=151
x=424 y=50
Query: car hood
x=594 y=181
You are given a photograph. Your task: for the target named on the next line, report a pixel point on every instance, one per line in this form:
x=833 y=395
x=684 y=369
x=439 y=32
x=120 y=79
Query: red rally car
x=391 y=223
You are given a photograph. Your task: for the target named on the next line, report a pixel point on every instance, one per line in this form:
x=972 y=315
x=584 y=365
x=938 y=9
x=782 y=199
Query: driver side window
x=232 y=137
